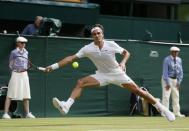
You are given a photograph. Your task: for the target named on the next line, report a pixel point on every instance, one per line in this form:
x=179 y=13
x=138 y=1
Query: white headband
x=96 y=28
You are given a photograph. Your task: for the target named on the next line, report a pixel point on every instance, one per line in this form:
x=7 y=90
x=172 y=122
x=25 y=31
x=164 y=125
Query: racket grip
x=41 y=68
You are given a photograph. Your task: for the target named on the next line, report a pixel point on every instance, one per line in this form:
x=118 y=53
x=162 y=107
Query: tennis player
x=109 y=71
x=18 y=88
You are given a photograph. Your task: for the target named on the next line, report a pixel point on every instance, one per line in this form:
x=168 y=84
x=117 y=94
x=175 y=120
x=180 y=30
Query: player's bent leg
x=82 y=83
x=146 y=95
x=64 y=106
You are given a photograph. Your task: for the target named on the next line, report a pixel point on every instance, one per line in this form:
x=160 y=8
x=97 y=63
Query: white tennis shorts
x=19 y=87
x=111 y=78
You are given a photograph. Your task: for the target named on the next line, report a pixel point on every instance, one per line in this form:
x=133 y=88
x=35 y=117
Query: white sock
x=70 y=102
x=159 y=106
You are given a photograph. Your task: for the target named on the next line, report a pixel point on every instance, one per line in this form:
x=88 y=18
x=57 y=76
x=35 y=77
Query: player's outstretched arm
x=61 y=63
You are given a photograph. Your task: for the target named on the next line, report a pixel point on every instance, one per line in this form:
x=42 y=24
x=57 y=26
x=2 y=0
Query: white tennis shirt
x=104 y=59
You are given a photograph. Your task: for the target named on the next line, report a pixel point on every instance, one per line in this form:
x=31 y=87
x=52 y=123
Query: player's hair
x=98 y=25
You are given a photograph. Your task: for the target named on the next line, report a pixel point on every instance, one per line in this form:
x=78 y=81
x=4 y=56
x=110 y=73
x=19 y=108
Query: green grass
x=95 y=124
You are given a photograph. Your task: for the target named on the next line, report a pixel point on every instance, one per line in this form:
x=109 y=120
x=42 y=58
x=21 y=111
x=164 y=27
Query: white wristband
x=55 y=66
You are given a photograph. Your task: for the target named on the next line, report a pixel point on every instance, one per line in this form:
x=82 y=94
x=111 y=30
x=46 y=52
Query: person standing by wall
x=18 y=87
x=171 y=80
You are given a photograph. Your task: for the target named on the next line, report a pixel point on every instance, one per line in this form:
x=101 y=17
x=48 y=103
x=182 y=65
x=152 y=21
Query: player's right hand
x=48 y=69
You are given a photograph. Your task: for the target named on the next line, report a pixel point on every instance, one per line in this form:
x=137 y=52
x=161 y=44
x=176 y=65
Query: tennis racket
x=15 y=63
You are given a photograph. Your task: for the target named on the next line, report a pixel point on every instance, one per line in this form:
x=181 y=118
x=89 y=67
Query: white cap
x=174 y=48
x=21 y=39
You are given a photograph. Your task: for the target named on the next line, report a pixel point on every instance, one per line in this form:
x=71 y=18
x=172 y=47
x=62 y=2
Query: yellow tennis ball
x=75 y=65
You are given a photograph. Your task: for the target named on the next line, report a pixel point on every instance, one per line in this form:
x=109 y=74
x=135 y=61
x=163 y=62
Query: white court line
x=170 y=129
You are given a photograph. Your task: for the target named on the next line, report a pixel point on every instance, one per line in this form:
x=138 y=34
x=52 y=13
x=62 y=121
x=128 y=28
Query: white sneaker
x=168 y=114
x=30 y=115
x=60 y=105
x=6 y=116
x=179 y=115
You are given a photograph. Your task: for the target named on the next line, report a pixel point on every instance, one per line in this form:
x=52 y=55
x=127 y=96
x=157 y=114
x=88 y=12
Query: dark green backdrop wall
x=135 y=28
x=142 y=67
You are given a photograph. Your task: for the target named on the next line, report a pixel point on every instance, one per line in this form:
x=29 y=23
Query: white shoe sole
x=180 y=115
x=30 y=117
x=56 y=104
x=6 y=117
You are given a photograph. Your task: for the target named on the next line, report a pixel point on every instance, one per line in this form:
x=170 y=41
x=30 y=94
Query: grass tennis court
x=95 y=124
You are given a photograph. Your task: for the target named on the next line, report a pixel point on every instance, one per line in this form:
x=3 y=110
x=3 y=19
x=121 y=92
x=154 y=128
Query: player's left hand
x=123 y=67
